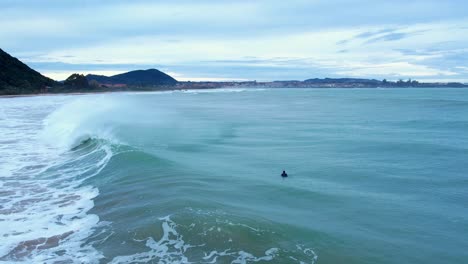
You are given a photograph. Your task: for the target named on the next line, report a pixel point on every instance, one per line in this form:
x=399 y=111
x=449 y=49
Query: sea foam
x=44 y=211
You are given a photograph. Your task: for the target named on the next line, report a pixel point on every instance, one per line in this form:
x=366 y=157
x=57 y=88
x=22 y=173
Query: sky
x=261 y=40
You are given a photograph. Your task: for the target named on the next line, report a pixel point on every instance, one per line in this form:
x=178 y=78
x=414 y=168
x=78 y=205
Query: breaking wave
x=44 y=213
x=46 y=191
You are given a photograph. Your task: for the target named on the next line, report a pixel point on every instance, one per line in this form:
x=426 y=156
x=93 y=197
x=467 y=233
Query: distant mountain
x=151 y=77
x=17 y=78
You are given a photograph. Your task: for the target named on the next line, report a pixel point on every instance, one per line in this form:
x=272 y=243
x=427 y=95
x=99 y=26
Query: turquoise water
x=375 y=176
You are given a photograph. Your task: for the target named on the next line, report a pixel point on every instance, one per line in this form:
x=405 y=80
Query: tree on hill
x=76 y=81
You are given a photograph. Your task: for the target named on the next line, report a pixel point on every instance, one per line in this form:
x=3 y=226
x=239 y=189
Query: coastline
x=50 y=94
x=81 y=93
x=214 y=87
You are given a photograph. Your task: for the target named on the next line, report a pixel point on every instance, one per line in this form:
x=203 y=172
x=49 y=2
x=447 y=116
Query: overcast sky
x=243 y=39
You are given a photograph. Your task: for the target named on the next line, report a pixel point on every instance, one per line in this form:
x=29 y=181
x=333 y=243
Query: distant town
x=324 y=83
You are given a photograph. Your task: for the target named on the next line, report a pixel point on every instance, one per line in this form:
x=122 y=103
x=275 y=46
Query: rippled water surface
x=375 y=176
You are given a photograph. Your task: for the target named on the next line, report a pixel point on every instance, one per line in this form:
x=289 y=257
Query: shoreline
x=54 y=94
x=212 y=88
x=82 y=93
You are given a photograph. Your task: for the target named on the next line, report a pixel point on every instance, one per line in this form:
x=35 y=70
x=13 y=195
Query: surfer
x=284 y=174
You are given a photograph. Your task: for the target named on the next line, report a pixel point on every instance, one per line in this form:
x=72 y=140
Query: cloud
x=395 y=70
x=370 y=34
x=389 y=37
x=244 y=39
x=386 y=34
x=366 y=35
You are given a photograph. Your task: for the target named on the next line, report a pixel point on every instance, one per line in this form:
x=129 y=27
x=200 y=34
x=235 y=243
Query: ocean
x=375 y=176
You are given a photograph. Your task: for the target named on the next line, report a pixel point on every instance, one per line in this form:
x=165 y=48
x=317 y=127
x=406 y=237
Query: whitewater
x=376 y=176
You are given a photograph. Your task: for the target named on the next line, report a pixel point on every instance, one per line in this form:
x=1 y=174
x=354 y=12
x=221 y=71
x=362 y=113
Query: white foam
x=171 y=248
x=44 y=211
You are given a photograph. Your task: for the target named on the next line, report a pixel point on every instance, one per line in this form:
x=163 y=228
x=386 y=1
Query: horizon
x=242 y=41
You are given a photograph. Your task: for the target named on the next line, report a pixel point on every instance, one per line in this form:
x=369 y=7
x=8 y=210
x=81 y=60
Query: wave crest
x=75 y=122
